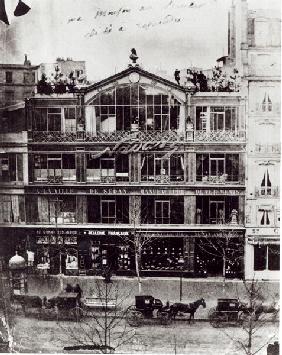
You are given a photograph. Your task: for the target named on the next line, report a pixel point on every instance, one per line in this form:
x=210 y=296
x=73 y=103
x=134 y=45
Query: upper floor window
x=217 y=210
x=55 y=119
x=12 y=209
x=9 y=97
x=29 y=78
x=140 y=105
x=162 y=210
x=162 y=167
x=62 y=209
x=109 y=209
x=106 y=168
x=266 y=105
x=216 y=118
x=9 y=77
x=265 y=186
x=54 y=168
x=217 y=167
x=11 y=167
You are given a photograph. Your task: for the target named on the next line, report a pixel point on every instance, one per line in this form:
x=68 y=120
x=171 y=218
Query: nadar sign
x=126 y=147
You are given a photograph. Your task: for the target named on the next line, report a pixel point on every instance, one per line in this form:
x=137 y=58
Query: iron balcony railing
x=219 y=136
x=142 y=136
x=218 y=179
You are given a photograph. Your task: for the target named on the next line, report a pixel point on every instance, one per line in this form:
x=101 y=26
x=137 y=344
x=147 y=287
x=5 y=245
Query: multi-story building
x=255 y=47
x=132 y=155
x=17 y=82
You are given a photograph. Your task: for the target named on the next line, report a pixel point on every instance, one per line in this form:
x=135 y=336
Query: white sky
x=195 y=32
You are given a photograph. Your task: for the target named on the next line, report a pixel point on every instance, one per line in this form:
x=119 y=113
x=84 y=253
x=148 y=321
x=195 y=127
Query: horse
x=186 y=308
x=258 y=309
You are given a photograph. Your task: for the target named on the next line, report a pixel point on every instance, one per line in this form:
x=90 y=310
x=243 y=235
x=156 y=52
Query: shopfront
x=262 y=257
x=56 y=251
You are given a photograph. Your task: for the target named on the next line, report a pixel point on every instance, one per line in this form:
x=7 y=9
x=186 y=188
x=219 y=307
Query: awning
x=264 y=240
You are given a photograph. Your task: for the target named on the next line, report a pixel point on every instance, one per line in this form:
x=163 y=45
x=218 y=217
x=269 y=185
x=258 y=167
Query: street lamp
x=181 y=264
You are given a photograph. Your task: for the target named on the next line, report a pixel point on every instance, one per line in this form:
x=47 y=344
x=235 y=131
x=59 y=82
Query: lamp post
x=181 y=264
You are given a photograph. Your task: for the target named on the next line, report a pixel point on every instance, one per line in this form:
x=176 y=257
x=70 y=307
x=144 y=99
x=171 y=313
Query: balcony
x=267 y=192
x=219 y=136
x=142 y=136
x=218 y=179
x=115 y=137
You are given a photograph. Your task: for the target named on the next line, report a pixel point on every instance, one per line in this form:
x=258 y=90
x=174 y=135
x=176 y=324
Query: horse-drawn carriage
x=148 y=307
x=231 y=311
x=65 y=306
x=226 y=312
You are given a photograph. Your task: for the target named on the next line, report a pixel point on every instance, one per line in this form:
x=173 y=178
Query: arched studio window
x=146 y=107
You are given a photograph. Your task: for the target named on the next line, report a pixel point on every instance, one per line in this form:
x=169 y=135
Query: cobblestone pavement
x=37 y=336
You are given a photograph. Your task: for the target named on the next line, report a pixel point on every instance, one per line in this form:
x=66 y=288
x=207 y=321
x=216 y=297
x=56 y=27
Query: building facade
x=134 y=157
x=17 y=81
x=255 y=47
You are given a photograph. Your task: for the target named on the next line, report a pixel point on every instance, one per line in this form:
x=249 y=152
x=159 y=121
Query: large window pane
x=274 y=257
x=260 y=257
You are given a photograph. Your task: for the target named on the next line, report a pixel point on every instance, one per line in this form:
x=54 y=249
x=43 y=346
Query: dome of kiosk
x=17 y=262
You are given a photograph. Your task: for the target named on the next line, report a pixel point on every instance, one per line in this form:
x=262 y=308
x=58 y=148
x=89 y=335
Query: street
x=37 y=336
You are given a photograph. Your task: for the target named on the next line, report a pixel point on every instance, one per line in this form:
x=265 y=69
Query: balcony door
x=217 y=121
x=54 y=167
x=217 y=212
x=162 y=212
x=108 y=211
x=216 y=167
x=161 y=170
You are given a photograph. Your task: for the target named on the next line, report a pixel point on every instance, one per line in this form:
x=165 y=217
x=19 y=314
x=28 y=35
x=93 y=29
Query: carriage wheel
x=218 y=319
x=134 y=318
x=164 y=317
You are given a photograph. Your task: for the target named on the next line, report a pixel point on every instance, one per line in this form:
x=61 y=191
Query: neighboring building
x=255 y=47
x=65 y=67
x=133 y=154
x=17 y=82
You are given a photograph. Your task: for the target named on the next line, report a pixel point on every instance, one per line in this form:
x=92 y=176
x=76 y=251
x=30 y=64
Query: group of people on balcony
x=220 y=80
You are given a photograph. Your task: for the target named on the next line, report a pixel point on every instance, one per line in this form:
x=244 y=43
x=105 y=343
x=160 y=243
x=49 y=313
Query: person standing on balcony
x=220 y=216
x=177 y=76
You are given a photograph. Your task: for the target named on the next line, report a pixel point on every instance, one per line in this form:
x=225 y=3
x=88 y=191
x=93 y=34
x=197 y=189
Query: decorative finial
x=133 y=56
